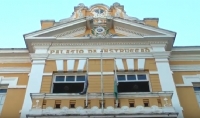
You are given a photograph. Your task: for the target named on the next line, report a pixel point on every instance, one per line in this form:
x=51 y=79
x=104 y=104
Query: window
x=3 y=91
x=197 y=91
x=131 y=102
x=146 y=102
x=57 y=104
x=72 y=103
x=68 y=83
x=133 y=83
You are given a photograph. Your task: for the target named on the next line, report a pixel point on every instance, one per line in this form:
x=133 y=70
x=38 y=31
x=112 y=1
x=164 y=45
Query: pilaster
x=34 y=84
x=167 y=83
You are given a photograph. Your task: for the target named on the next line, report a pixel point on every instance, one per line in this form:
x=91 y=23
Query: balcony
x=110 y=110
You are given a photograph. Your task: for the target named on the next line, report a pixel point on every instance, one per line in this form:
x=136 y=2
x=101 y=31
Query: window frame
x=136 y=74
x=147 y=78
x=66 y=74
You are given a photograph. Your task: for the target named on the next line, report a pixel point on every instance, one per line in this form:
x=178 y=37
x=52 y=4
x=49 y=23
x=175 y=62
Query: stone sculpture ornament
x=37 y=105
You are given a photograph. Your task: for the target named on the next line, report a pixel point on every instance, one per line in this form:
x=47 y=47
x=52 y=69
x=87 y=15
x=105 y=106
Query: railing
x=138 y=111
x=98 y=95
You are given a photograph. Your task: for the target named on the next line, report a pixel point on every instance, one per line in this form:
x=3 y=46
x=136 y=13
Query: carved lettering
x=57 y=51
x=116 y=50
x=131 y=50
x=136 y=50
x=67 y=51
x=89 y=51
x=105 y=50
x=78 y=51
x=147 y=50
x=121 y=50
x=52 y=51
x=126 y=50
x=94 y=51
x=81 y=51
x=72 y=51
x=111 y=50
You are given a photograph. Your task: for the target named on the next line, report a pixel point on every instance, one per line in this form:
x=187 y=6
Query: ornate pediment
x=100 y=21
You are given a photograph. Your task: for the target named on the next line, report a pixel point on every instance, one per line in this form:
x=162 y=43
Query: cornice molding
x=106 y=95
x=15 y=69
x=188 y=80
x=159 y=30
x=25 y=51
x=40 y=32
x=13 y=59
x=72 y=33
x=185 y=57
x=11 y=81
x=158 y=55
x=127 y=32
x=101 y=43
x=185 y=67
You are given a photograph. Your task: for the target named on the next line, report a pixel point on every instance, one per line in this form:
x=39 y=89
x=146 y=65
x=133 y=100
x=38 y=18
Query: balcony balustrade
x=165 y=109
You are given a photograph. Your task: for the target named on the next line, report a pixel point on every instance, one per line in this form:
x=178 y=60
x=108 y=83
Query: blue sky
x=19 y=17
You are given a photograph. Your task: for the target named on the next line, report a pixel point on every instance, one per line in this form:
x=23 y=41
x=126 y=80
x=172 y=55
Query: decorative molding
x=72 y=33
x=99 y=73
x=158 y=30
x=162 y=55
x=11 y=81
x=127 y=32
x=189 y=79
x=98 y=95
x=185 y=57
x=103 y=43
x=15 y=69
x=185 y=67
x=153 y=72
x=40 y=32
x=25 y=51
x=13 y=59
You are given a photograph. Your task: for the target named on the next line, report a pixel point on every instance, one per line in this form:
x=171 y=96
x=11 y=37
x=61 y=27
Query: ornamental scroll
x=81 y=51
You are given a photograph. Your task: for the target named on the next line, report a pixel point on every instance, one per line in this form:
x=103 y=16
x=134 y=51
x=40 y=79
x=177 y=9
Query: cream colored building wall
x=186 y=93
x=15 y=74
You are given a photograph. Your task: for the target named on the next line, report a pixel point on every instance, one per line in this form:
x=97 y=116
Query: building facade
x=100 y=62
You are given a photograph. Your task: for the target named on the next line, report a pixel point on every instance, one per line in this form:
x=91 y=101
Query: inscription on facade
x=80 y=51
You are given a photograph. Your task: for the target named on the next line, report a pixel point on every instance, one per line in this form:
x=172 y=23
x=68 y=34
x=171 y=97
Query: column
x=165 y=76
x=34 y=85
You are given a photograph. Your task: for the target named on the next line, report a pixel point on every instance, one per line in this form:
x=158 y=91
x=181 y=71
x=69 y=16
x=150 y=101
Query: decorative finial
x=166 y=103
x=37 y=105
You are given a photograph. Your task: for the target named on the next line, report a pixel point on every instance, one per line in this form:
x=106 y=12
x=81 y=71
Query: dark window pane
x=141 y=77
x=3 y=90
x=80 y=78
x=68 y=87
x=121 y=77
x=131 y=77
x=60 y=78
x=133 y=86
x=196 y=88
x=70 y=78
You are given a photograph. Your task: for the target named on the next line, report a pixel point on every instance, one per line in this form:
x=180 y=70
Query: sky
x=18 y=17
